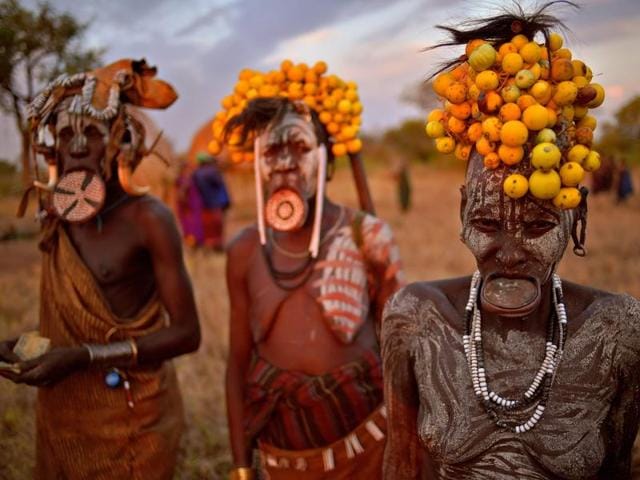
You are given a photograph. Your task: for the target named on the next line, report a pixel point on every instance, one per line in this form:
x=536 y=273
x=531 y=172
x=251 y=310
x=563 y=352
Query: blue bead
x=113 y=379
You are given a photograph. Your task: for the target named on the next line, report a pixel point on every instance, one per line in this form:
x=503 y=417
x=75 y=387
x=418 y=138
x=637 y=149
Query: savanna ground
x=428 y=238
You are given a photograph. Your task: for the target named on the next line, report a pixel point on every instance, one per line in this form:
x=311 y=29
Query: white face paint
x=511 y=238
x=289 y=156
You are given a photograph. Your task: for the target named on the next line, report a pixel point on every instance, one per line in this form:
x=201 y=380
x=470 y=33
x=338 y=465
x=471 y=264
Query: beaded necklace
x=537 y=394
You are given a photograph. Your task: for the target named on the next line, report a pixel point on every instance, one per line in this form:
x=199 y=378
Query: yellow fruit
x=566 y=93
x=445 y=144
x=530 y=52
x=555 y=42
x=580 y=81
x=525 y=78
x=491 y=160
x=579 y=112
x=536 y=70
x=544 y=185
x=545 y=156
x=354 y=146
x=348 y=132
x=541 y=91
x=510 y=155
x=567 y=112
x=456 y=93
x=515 y=185
x=512 y=63
x=340 y=149
x=473 y=45
x=473 y=92
x=510 y=93
x=571 y=174
x=351 y=95
x=356 y=108
x=487 y=80
x=295 y=74
x=482 y=57
x=592 y=162
x=546 y=135
x=535 y=117
x=563 y=53
x=442 y=82
x=491 y=128
x=474 y=132
x=588 y=121
x=435 y=115
x=519 y=41
x=567 y=198
x=344 y=106
x=514 y=133
x=434 y=129
x=509 y=111
x=251 y=93
x=596 y=102
x=484 y=146
x=561 y=70
x=462 y=152
x=242 y=87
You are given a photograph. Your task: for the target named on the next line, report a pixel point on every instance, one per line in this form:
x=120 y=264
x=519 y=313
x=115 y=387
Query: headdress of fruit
x=336 y=102
x=519 y=98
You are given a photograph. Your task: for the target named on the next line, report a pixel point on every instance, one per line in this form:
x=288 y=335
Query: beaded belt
x=364 y=436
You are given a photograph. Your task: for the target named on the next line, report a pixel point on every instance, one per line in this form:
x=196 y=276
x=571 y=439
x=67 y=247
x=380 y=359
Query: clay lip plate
x=510 y=295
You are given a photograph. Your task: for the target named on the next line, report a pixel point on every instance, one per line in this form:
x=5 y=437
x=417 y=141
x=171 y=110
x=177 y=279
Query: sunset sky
x=200 y=46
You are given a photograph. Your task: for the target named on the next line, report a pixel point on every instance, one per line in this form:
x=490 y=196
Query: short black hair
x=261 y=112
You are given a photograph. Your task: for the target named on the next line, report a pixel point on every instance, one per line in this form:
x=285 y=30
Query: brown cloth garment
x=357 y=456
x=85 y=430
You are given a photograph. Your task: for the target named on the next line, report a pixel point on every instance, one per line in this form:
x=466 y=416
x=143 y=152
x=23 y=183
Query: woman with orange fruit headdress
x=512 y=372
x=306 y=285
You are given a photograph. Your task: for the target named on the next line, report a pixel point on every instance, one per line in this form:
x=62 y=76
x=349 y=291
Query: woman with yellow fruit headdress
x=512 y=372
x=306 y=285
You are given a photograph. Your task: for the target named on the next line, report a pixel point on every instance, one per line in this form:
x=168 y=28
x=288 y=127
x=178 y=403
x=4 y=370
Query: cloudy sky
x=201 y=45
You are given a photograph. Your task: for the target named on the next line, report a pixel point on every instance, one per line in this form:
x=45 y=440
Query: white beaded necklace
x=538 y=392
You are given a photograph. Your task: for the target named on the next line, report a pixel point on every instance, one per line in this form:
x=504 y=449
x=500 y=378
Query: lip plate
x=520 y=311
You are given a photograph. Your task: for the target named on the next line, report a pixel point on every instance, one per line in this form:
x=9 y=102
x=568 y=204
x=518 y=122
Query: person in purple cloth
x=215 y=200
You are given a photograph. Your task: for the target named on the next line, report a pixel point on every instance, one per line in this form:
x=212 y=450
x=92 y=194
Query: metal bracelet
x=241 y=473
x=112 y=354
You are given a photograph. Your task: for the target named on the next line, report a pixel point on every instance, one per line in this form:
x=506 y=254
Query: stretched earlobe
x=463 y=201
x=579 y=227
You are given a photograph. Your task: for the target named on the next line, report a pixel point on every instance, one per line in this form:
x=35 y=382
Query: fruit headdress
x=336 y=102
x=522 y=105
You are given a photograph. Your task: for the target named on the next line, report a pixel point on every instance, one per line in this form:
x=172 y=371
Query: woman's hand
x=51 y=367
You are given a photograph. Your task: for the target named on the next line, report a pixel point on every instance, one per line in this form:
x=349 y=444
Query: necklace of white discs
x=535 y=397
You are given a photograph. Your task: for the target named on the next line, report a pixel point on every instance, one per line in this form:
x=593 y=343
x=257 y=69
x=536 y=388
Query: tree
x=36 y=47
x=622 y=137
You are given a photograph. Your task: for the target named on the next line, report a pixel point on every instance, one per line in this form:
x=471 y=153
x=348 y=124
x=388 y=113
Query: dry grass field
x=428 y=237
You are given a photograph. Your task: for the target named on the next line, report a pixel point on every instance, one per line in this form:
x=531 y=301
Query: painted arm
x=240 y=350
x=403 y=454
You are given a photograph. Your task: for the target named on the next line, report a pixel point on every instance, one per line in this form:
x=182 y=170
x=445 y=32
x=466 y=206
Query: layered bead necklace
x=536 y=396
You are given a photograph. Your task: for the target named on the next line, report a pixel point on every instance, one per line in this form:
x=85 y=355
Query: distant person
x=189 y=207
x=602 y=179
x=215 y=200
x=625 y=183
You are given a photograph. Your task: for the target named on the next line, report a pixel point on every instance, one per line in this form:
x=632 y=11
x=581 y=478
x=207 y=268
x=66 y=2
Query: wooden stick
x=360 y=180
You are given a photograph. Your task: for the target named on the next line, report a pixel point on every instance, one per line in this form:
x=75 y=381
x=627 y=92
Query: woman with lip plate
x=511 y=372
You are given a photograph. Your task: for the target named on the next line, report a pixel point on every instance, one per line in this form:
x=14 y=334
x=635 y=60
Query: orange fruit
x=535 y=117
x=519 y=41
x=510 y=155
x=506 y=48
x=320 y=67
x=456 y=93
x=555 y=41
x=515 y=186
x=462 y=151
x=512 y=63
x=442 y=82
x=445 y=144
x=435 y=115
x=509 y=111
x=455 y=125
x=474 y=132
x=530 y=52
x=525 y=101
x=472 y=45
x=354 y=146
x=491 y=160
x=484 y=146
x=487 y=80
x=514 y=133
x=339 y=149
x=561 y=70
x=461 y=111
